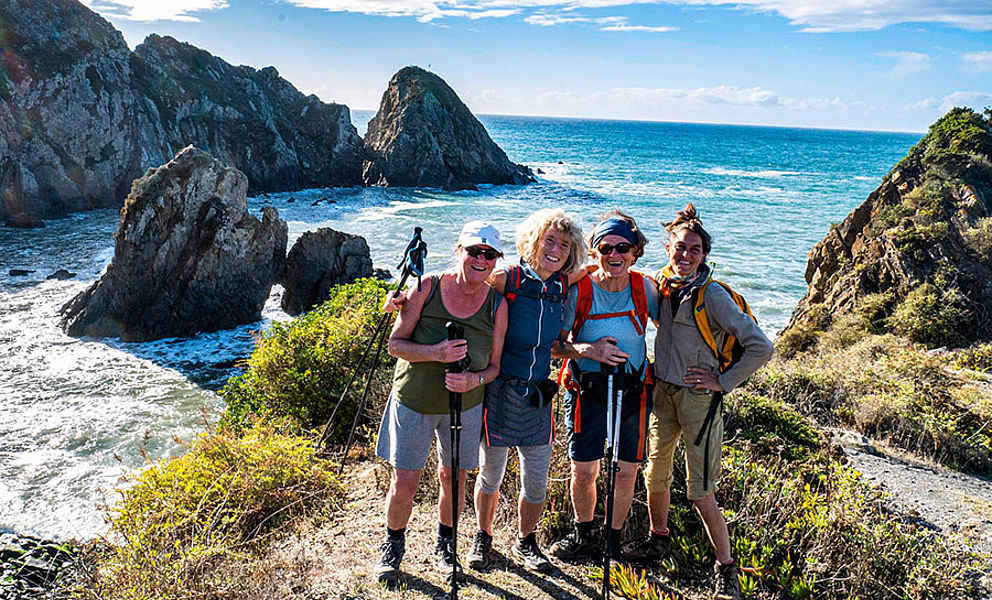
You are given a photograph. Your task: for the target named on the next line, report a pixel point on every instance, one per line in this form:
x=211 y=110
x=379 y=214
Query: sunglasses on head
x=488 y=253
x=621 y=248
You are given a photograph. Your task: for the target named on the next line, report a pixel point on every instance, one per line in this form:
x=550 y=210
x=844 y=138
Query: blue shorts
x=586 y=420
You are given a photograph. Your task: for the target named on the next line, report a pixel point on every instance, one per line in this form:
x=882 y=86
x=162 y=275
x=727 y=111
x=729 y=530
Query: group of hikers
x=553 y=304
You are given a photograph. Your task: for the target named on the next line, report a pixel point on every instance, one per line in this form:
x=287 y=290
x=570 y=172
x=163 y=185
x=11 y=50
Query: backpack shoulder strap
x=639 y=294
x=583 y=301
x=702 y=321
x=512 y=283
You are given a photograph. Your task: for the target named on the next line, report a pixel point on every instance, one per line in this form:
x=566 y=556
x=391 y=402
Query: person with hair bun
x=687 y=377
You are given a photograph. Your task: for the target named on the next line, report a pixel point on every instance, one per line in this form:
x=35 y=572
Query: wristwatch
x=482 y=380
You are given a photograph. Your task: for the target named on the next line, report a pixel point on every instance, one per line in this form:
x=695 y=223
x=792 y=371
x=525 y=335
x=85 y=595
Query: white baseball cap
x=475 y=233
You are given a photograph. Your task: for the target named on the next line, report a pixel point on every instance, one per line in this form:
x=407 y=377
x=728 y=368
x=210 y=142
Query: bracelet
x=482 y=380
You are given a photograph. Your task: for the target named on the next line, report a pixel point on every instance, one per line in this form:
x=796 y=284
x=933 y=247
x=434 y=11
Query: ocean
x=79 y=414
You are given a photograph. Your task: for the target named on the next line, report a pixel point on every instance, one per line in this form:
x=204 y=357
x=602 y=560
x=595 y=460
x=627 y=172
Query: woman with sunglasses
x=417 y=409
x=518 y=407
x=604 y=325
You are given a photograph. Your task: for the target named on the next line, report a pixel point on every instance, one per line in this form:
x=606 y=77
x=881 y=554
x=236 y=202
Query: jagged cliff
x=255 y=121
x=425 y=136
x=81 y=115
x=916 y=256
x=70 y=125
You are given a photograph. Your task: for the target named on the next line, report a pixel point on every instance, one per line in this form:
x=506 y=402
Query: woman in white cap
x=417 y=410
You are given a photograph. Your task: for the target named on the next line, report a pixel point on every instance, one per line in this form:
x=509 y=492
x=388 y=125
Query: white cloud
x=814 y=16
x=975 y=100
x=907 y=63
x=980 y=60
x=155 y=10
x=626 y=27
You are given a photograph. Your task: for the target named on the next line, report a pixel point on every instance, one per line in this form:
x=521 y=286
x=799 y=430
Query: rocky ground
x=932 y=496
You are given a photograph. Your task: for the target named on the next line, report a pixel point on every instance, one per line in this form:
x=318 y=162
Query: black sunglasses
x=488 y=253
x=621 y=248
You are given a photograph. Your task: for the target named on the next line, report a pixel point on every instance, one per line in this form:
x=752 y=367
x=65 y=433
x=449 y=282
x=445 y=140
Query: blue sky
x=894 y=65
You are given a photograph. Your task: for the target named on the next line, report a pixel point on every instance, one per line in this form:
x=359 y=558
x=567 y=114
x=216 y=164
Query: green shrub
x=979 y=237
x=917 y=240
x=977 y=358
x=772 y=423
x=933 y=317
x=874 y=309
x=193 y=526
x=815 y=530
x=954 y=137
x=299 y=369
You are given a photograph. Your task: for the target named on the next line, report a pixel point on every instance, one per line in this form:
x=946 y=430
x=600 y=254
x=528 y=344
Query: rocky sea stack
x=425 y=136
x=81 y=115
x=318 y=261
x=189 y=257
x=916 y=256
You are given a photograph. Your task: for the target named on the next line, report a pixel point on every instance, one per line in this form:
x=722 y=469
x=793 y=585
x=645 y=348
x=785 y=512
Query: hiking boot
x=527 y=550
x=444 y=557
x=387 y=569
x=650 y=550
x=478 y=556
x=579 y=545
x=727 y=586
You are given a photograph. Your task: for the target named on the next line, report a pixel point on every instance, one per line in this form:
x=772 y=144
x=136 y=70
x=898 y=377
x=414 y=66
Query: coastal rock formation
x=69 y=123
x=189 y=257
x=255 y=121
x=424 y=136
x=318 y=261
x=81 y=115
x=923 y=237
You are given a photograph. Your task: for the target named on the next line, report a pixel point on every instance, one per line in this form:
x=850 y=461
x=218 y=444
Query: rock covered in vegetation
x=82 y=116
x=425 y=136
x=916 y=256
x=318 y=261
x=189 y=257
x=255 y=121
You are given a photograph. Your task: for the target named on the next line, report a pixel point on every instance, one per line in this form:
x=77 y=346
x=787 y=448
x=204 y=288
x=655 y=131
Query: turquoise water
x=79 y=413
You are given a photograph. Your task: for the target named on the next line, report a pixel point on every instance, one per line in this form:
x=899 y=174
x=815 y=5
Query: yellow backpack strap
x=702 y=322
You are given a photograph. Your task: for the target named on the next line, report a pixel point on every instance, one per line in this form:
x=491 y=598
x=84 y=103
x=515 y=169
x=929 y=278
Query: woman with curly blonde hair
x=518 y=404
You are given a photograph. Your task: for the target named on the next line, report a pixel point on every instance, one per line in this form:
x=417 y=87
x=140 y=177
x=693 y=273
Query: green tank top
x=420 y=386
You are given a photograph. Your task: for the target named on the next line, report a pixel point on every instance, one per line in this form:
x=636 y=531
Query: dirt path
x=932 y=496
x=326 y=571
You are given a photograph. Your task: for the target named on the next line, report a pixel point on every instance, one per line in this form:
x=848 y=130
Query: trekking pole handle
x=457 y=332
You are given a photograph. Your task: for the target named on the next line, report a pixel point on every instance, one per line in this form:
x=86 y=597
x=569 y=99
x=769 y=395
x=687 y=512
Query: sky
x=882 y=65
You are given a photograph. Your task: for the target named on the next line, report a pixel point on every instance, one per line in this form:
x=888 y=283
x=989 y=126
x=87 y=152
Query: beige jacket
x=679 y=344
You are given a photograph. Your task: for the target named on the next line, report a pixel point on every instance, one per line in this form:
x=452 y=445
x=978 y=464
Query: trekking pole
x=411 y=263
x=611 y=417
x=455 y=332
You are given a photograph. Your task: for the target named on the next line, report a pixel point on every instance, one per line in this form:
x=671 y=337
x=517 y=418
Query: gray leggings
x=534 y=463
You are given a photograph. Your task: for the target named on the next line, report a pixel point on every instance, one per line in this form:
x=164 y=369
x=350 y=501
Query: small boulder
x=318 y=261
x=61 y=275
x=19 y=272
x=189 y=256
x=425 y=136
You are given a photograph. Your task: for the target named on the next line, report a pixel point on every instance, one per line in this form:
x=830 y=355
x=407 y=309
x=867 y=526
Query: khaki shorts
x=680 y=412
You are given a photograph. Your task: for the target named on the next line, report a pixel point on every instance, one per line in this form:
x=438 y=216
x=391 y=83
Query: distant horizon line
x=630 y=120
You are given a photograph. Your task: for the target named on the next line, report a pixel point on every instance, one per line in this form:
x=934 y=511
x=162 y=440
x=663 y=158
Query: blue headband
x=613 y=226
